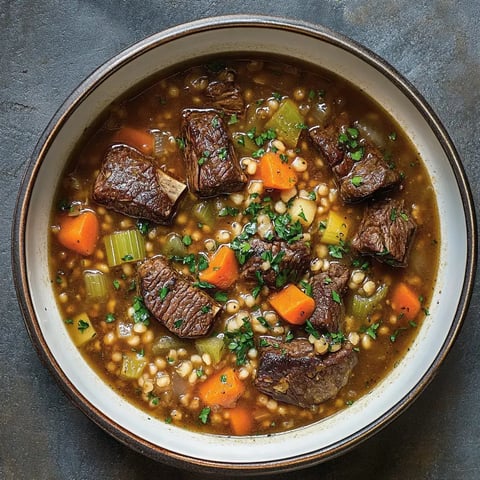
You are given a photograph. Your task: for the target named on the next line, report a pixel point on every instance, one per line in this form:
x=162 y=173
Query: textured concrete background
x=48 y=47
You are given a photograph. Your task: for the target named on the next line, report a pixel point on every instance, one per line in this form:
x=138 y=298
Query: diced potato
x=336 y=229
x=81 y=329
x=303 y=210
x=132 y=365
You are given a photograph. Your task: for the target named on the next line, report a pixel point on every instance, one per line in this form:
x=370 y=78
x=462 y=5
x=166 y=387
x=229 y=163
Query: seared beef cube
x=174 y=301
x=211 y=162
x=386 y=231
x=291 y=372
x=327 y=291
x=360 y=174
x=131 y=184
x=225 y=96
x=288 y=262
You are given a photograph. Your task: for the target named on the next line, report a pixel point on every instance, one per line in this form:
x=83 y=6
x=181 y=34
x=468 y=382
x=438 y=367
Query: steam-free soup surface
x=288 y=260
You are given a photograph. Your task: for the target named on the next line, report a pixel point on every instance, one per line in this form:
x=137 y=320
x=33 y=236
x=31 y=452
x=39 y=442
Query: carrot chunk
x=222 y=388
x=405 y=301
x=275 y=173
x=241 y=421
x=79 y=233
x=293 y=305
x=133 y=137
x=222 y=270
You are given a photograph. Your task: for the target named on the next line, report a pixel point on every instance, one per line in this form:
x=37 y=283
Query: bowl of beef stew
x=244 y=244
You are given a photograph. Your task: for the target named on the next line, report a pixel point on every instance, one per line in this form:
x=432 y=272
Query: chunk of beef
x=211 y=162
x=131 y=184
x=386 y=231
x=288 y=262
x=327 y=291
x=225 y=96
x=292 y=372
x=358 y=179
x=174 y=301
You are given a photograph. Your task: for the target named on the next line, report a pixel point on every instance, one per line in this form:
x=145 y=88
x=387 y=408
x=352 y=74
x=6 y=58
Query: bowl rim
x=107 y=69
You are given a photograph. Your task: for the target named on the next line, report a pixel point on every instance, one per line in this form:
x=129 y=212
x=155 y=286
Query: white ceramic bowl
x=303 y=446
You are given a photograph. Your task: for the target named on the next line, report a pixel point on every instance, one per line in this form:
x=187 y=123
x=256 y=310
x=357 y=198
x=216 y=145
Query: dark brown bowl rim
x=19 y=256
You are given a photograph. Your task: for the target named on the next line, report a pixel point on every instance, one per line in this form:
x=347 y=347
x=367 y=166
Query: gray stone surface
x=48 y=47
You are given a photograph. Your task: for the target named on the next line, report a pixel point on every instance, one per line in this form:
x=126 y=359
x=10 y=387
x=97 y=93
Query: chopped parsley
x=163 y=292
x=143 y=226
x=336 y=297
x=178 y=323
x=231 y=211
x=220 y=296
x=204 y=415
x=109 y=317
x=310 y=329
x=371 y=331
x=187 y=240
x=241 y=341
x=82 y=325
x=140 y=312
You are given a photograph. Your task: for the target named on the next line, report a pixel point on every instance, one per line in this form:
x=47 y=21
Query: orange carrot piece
x=222 y=270
x=133 y=137
x=292 y=304
x=79 y=233
x=222 y=388
x=241 y=421
x=405 y=301
x=275 y=173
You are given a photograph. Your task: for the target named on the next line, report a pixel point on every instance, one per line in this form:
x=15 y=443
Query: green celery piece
x=363 y=307
x=243 y=144
x=287 y=122
x=95 y=285
x=124 y=246
x=214 y=346
x=174 y=246
x=206 y=212
x=132 y=365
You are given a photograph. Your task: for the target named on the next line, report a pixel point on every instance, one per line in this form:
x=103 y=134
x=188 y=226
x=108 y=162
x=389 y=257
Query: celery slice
x=132 y=365
x=363 y=307
x=174 y=246
x=336 y=229
x=124 y=246
x=287 y=122
x=214 y=346
x=205 y=212
x=96 y=285
x=243 y=144
x=163 y=344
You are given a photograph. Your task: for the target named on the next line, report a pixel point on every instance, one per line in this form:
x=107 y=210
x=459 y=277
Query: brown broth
x=156 y=105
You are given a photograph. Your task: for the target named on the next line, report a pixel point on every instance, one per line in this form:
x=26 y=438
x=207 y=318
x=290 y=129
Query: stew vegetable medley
x=245 y=245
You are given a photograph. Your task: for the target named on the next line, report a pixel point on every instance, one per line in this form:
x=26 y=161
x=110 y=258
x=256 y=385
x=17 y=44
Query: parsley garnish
x=204 y=414
x=82 y=325
x=140 y=312
x=241 y=341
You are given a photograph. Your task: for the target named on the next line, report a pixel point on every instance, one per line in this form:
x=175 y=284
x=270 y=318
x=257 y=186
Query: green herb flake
x=178 y=323
x=205 y=308
x=109 y=317
x=228 y=211
x=233 y=119
x=241 y=341
x=204 y=415
x=336 y=297
x=310 y=329
x=357 y=181
x=82 y=325
x=163 y=292
x=187 y=240
x=221 y=297
x=140 y=312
